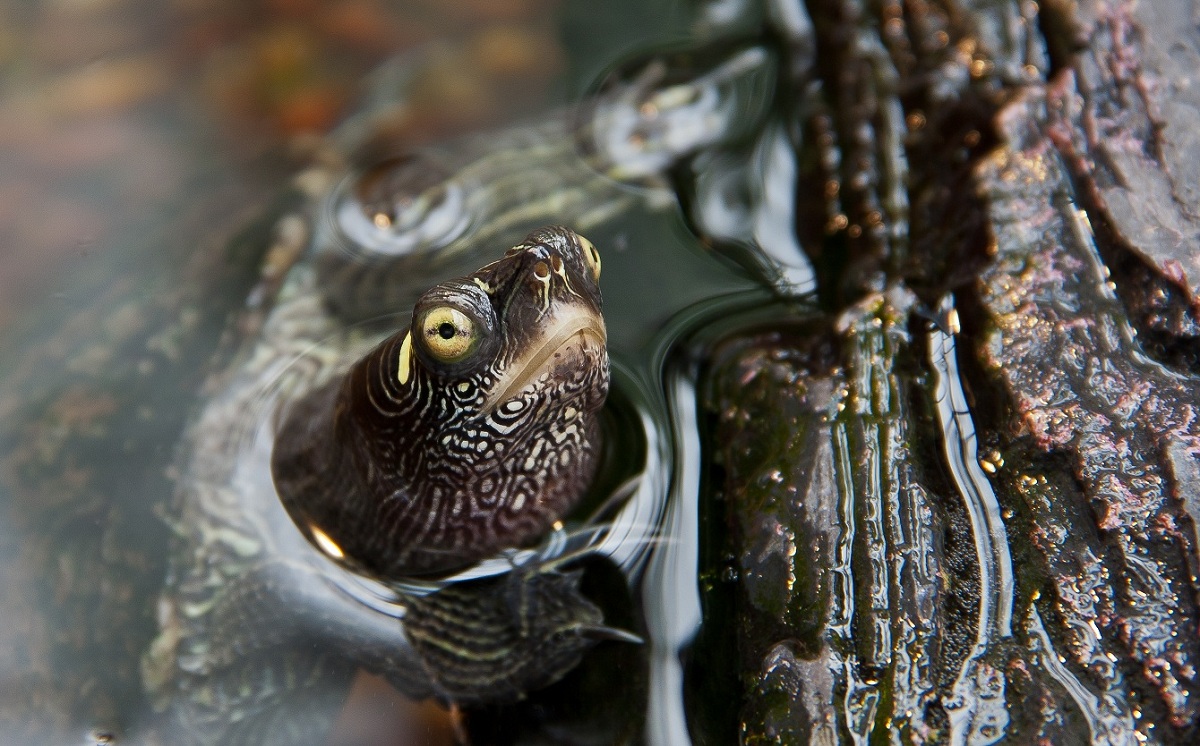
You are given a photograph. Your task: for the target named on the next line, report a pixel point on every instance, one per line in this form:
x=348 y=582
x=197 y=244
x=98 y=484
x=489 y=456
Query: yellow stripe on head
x=405 y=371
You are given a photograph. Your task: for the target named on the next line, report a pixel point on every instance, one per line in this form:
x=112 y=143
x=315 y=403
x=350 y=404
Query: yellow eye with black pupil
x=449 y=334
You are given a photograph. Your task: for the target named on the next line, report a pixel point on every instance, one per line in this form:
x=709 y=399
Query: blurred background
x=123 y=120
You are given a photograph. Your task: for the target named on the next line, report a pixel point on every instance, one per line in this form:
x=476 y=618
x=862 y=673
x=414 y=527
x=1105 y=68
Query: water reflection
x=670 y=593
x=746 y=204
x=978 y=713
x=589 y=166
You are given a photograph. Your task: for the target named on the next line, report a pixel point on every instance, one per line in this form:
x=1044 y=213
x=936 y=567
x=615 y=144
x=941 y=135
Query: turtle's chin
x=572 y=342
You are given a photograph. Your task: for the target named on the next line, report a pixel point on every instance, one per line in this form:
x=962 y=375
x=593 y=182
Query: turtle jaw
x=574 y=339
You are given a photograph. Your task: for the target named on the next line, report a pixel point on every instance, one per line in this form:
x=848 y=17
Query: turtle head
x=521 y=336
x=471 y=431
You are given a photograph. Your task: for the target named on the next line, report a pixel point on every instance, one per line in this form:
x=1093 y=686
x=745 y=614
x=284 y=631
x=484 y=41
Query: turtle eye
x=449 y=334
x=591 y=256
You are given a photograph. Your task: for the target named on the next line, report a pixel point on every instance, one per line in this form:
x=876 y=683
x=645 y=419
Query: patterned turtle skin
x=473 y=430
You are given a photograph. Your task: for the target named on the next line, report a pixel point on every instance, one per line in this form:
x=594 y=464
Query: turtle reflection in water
x=472 y=431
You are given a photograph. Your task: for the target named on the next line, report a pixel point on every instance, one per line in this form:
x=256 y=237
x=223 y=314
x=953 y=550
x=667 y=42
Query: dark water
x=102 y=370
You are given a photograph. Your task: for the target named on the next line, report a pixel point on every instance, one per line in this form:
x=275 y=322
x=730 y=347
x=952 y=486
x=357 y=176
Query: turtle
x=410 y=583
x=471 y=431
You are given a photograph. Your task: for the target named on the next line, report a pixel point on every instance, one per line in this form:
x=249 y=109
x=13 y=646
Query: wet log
x=962 y=498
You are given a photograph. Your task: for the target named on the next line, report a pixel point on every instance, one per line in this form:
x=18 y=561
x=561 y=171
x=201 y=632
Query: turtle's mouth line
x=572 y=327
